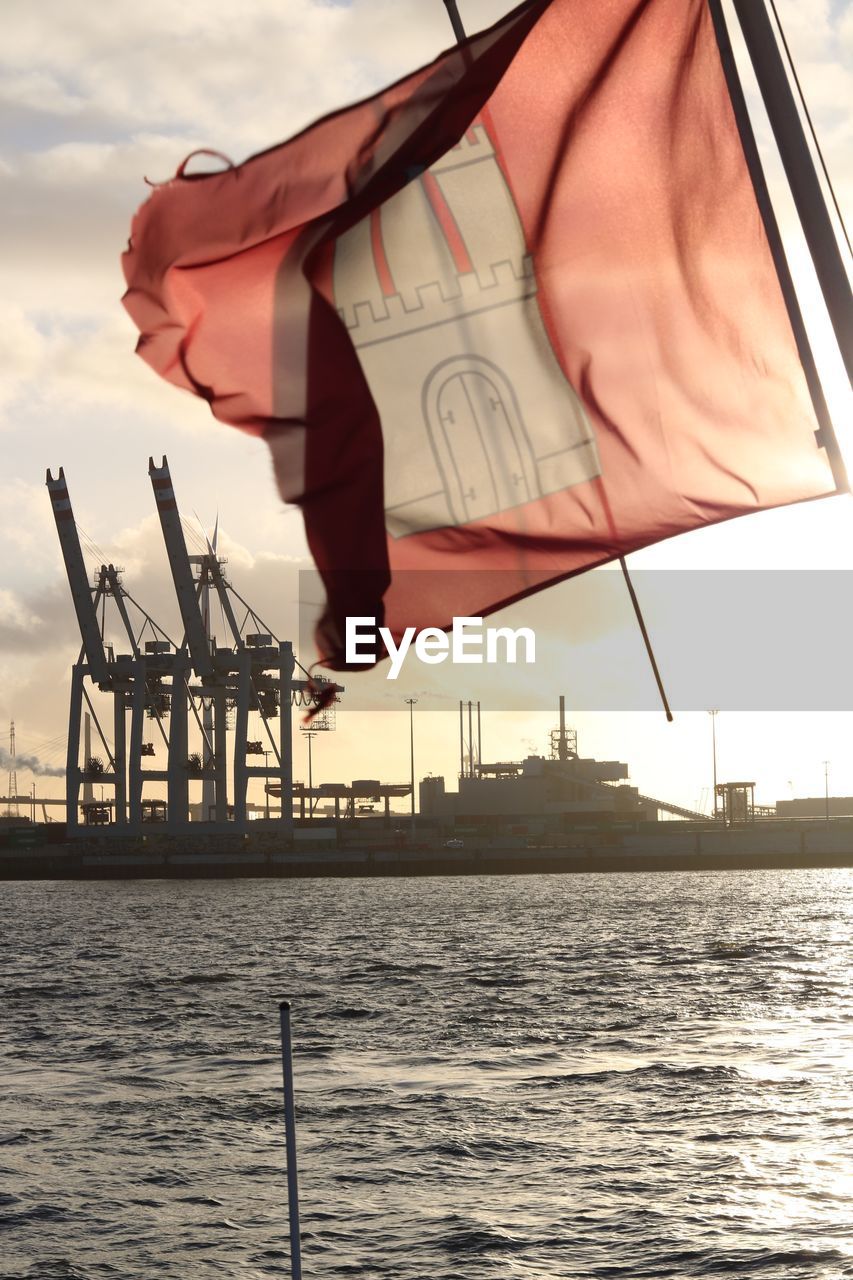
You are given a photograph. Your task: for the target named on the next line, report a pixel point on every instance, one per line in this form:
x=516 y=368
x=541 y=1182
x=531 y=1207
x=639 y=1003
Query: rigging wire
x=91 y=545
x=209 y=544
x=47 y=744
x=810 y=123
x=149 y=621
x=198 y=541
x=46 y=750
x=258 y=620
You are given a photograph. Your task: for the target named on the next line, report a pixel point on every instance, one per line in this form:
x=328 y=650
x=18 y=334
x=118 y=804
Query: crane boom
x=179 y=563
x=75 y=568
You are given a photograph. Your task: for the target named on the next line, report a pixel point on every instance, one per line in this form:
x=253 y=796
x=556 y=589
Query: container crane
x=134 y=680
x=254 y=671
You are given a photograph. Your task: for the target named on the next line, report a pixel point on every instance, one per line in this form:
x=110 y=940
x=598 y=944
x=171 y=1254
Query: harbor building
x=539 y=794
x=560 y=792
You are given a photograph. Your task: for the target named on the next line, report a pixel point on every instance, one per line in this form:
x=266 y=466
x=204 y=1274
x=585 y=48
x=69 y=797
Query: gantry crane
x=171 y=682
x=134 y=680
x=253 y=672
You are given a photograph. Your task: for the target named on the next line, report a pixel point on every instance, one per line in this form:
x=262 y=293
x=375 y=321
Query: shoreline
x=64 y=863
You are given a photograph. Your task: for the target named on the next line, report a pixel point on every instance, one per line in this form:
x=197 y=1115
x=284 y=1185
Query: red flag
x=516 y=313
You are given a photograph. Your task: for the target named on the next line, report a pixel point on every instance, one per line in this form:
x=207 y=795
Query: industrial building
x=571 y=790
x=558 y=792
x=816 y=807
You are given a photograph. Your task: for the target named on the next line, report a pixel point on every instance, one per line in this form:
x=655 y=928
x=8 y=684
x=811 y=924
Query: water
x=550 y=1077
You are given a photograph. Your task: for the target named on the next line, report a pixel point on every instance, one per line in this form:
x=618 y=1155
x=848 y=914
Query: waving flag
x=516 y=313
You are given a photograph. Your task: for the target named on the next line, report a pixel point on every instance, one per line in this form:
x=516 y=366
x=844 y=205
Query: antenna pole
x=13 y=773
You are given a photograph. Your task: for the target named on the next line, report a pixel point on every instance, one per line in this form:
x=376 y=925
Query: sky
x=95 y=99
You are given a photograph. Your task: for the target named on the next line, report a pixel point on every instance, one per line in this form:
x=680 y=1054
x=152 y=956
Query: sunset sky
x=96 y=99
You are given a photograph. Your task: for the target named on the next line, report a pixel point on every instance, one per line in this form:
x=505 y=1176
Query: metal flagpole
x=826 y=437
x=799 y=169
x=646 y=641
x=455 y=20
x=290 y=1142
x=459 y=32
x=812 y=131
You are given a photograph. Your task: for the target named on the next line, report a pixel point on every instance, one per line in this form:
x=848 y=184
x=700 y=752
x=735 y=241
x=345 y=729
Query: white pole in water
x=290 y=1142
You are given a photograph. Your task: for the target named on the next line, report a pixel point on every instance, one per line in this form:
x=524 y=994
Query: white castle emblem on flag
x=438 y=293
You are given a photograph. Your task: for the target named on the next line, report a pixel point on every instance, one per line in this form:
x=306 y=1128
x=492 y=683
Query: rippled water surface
x=555 y=1077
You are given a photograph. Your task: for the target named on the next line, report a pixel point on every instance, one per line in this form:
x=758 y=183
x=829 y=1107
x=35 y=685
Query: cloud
x=36 y=623
x=98 y=365
x=65 y=213
x=21 y=351
x=193 y=66
x=39 y=90
x=39 y=636
x=267 y=581
x=69 y=164
x=14 y=612
x=84 y=360
x=43 y=620
x=100 y=99
x=30 y=551
x=96 y=98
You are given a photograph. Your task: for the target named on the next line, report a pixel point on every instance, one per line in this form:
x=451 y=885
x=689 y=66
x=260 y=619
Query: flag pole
x=800 y=170
x=646 y=641
x=455 y=20
x=826 y=435
x=459 y=32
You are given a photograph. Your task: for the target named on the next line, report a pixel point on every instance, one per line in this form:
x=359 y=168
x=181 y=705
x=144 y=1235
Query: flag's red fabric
x=516 y=313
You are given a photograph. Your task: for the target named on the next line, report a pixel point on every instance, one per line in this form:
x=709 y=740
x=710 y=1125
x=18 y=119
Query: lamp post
x=411 y=703
x=713 y=714
x=826 y=788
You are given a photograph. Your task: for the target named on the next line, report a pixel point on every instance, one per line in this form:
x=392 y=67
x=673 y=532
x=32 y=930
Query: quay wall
x=792 y=845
